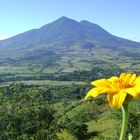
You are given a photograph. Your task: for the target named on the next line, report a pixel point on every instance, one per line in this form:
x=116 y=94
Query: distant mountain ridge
x=66 y=37
x=64 y=30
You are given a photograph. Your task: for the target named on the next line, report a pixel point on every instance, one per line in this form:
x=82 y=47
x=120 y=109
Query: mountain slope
x=64 y=30
x=64 y=42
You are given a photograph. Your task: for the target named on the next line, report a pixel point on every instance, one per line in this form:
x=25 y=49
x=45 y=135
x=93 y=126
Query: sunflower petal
x=137 y=81
x=127 y=77
x=101 y=83
x=116 y=101
x=113 y=79
x=135 y=91
x=131 y=91
x=95 y=92
x=122 y=76
x=132 y=79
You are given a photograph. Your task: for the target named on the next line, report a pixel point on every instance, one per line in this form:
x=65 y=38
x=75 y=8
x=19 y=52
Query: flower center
x=120 y=85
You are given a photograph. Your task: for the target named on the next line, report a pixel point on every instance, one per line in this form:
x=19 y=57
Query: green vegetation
x=58 y=111
x=67 y=77
x=45 y=74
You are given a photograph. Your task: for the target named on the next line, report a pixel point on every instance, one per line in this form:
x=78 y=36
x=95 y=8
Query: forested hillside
x=56 y=112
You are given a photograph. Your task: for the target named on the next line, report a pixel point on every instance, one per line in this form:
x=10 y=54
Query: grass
x=100 y=125
x=65 y=135
x=102 y=128
x=50 y=82
x=45 y=82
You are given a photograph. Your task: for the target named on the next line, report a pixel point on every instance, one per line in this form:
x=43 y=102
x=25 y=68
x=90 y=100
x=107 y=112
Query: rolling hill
x=66 y=45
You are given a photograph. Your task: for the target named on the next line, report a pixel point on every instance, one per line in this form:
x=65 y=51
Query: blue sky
x=119 y=17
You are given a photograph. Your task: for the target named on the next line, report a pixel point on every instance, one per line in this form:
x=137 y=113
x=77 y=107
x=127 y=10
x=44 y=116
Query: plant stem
x=124 y=121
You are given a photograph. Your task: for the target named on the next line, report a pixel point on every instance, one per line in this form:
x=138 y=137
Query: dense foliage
x=25 y=114
x=29 y=112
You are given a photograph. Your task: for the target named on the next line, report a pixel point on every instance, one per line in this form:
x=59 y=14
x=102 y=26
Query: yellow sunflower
x=118 y=89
